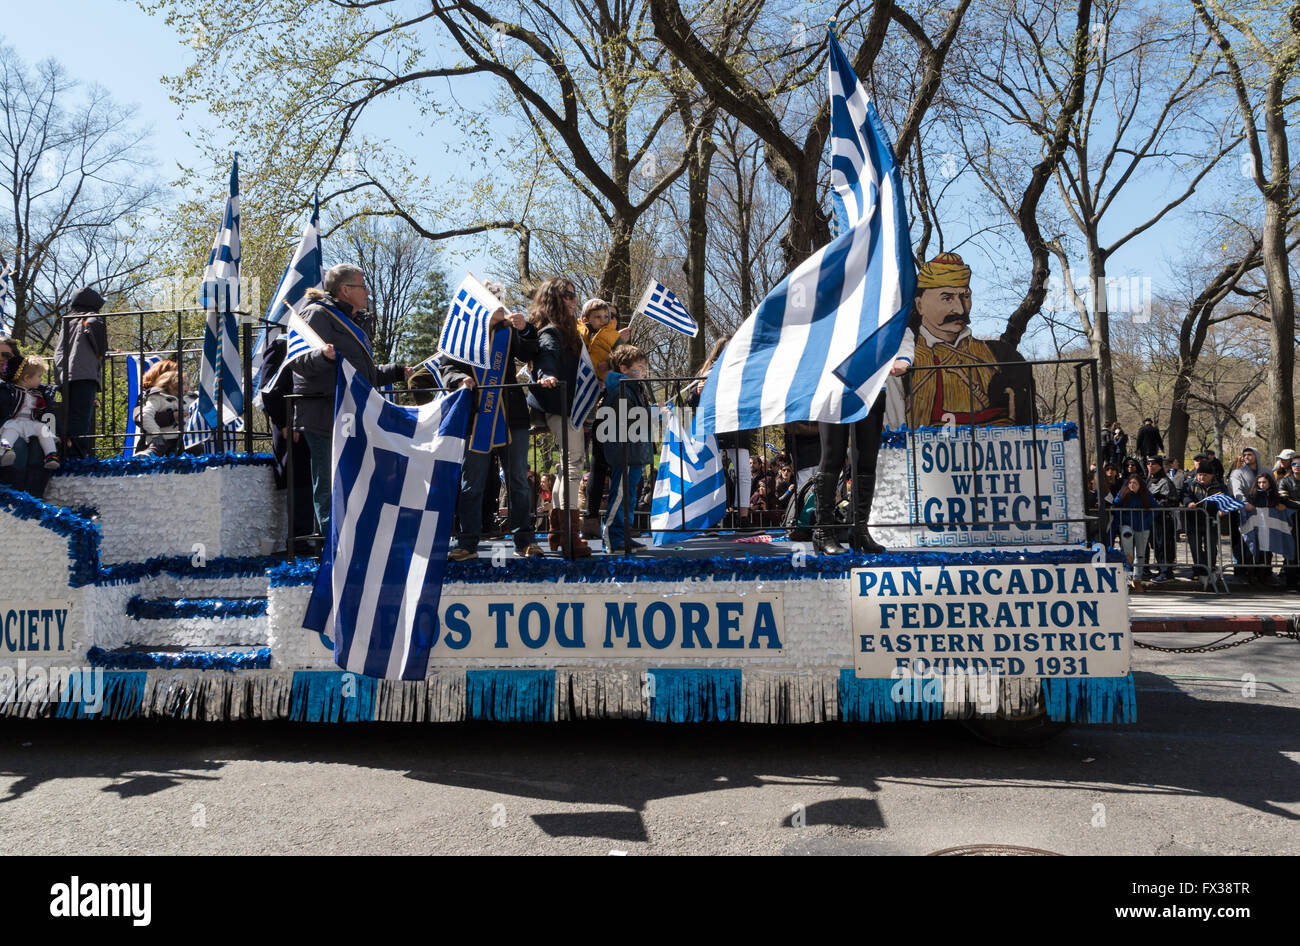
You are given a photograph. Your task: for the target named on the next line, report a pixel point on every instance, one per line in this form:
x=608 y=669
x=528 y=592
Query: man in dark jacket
x=339 y=317
x=500 y=419
x=1203 y=523
x=1163 y=533
x=79 y=354
x=1149 y=441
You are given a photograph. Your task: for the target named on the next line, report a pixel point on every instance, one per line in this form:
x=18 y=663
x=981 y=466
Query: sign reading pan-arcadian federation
x=1050 y=620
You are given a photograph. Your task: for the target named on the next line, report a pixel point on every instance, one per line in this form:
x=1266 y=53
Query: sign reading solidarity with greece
x=685 y=626
x=965 y=484
x=35 y=628
x=1051 y=620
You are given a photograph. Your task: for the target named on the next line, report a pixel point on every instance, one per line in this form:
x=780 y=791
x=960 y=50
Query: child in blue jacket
x=626 y=432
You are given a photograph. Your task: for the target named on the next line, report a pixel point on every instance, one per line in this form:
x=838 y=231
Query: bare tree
x=75 y=181
x=397 y=263
x=1259 y=69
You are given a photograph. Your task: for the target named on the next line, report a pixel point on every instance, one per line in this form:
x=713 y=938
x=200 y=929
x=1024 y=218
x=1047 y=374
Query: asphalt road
x=1210 y=768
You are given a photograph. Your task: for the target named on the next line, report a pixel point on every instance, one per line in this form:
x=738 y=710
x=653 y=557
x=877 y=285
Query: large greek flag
x=820 y=346
x=659 y=302
x=221 y=375
x=465 y=336
x=305 y=271
x=6 y=287
x=690 y=488
x=136 y=367
x=396 y=478
x=586 y=389
x=1268 y=531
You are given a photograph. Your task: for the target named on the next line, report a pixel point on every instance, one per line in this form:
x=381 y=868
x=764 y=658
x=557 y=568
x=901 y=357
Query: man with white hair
x=339 y=316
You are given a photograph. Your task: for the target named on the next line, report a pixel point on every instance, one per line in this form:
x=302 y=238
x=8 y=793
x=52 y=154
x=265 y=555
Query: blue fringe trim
x=123 y=696
x=83 y=535
x=885 y=700
x=894 y=438
x=177 y=463
x=181 y=566
x=163 y=608
x=259 y=659
x=510 y=696
x=1091 y=699
x=317 y=697
x=721 y=567
x=694 y=696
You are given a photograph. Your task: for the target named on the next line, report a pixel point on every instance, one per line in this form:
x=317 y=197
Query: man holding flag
x=822 y=344
x=338 y=317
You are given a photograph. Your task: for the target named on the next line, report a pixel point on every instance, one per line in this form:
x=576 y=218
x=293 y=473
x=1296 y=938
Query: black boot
x=824 y=542
x=864 y=489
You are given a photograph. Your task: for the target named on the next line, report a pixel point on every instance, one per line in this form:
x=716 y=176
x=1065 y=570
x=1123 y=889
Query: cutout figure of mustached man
x=969 y=384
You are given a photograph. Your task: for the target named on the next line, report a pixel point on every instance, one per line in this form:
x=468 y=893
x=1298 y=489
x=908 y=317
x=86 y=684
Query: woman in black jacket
x=559 y=348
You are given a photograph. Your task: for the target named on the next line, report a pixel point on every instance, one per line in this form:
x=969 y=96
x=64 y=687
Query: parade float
x=144 y=588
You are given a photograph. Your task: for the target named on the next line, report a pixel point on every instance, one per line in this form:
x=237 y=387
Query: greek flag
x=659 y=303
x=690 y=488
x=6 y=287
x=135 y=372
x=302 y=340
x=305 y=271
x=221 y=373
x=586 y=389
x=820 y=346
x=465 y=336
x=1268 y=531
x=1225 y=501
x=198 y=432
x=396 y=478
x=433 y=365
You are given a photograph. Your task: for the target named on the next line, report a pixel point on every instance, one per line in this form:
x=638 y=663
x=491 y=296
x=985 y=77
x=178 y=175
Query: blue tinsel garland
x=82 y=533
x=182 y=566
x=259 y=659
x=163 y=608
x=177 y=463
x=719 y=567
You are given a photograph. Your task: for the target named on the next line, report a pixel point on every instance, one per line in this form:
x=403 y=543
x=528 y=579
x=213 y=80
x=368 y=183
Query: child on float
x=601 y=336
x=159 y=410
x=626 y=425
x=27 y=403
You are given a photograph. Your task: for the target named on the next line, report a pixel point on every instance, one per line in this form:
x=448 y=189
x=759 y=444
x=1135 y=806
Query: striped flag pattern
x=221 y=373
x=658 y=302
x=6 y=287
x=1268 y=531
x=396 y=478
x=690 y=489
x=135 y=371
x=198 y=432
x=433 y=365
x=586 y=389
x=465 y=336
x=820 y=346
x=305 y=271
x=302 y=340
x=1225 y=501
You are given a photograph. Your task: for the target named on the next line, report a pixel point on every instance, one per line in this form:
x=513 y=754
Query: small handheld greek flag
x=690 y=488
x=221 y=374
x=586 y=389
x=465 y=336
x=1225 y=501
x=433 y=365
x=302 y=340
x=396 y=479
x=659 y=303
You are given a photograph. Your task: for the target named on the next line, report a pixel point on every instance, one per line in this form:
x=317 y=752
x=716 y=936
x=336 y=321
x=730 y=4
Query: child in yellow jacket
x=598 y=334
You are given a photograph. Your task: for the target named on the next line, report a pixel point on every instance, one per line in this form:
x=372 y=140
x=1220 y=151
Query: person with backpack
x=158 y=411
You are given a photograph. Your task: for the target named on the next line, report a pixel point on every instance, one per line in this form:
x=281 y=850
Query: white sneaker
x=8 y=458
